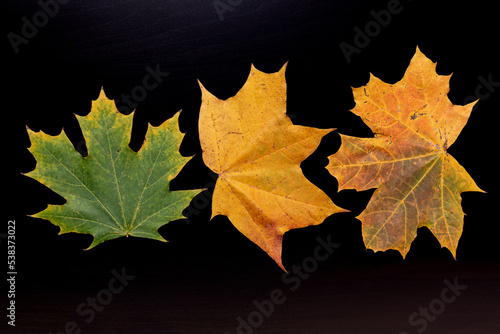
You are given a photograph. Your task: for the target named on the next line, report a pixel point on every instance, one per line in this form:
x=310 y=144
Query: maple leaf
x=418 y=182
x=256 y=150
x=113 y=191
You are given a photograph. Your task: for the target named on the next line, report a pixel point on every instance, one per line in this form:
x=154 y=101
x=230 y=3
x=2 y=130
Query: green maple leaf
x=113 y=191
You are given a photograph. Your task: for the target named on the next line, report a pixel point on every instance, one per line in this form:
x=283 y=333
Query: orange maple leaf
x=256 y=150
x=418 y=183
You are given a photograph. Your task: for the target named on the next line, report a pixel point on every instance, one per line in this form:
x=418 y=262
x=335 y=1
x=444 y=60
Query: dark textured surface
x=208 y=275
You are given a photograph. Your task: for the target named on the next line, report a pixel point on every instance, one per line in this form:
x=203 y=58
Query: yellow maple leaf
x=256 y=150
x=418 y=182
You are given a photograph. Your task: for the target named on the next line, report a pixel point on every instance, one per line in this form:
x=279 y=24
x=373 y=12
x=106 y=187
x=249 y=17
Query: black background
x=208 y=274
